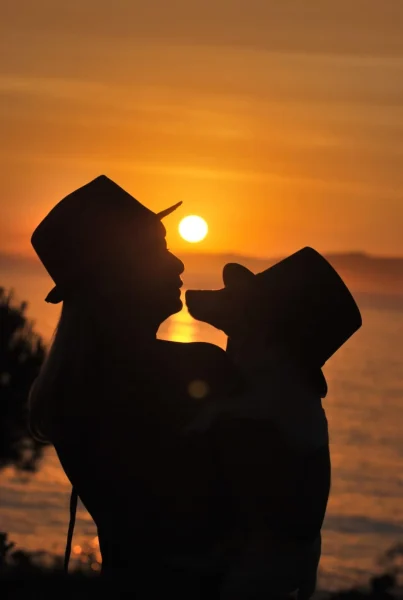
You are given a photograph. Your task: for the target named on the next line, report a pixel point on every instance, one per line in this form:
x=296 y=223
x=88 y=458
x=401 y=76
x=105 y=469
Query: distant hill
x=368 y=276
x=10 y=262
x=362 y=272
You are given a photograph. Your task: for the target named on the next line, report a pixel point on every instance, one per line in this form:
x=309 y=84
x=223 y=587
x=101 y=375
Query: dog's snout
x=202 y=304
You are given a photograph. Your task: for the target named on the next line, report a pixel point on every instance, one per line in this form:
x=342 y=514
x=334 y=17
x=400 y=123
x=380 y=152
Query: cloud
x=320 y=26
x=244 y=100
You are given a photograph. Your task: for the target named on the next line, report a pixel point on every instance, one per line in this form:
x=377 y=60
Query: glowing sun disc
x=193 y=228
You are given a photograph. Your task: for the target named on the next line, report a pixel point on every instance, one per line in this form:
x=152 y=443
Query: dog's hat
x=81 y=227
x=309 y=302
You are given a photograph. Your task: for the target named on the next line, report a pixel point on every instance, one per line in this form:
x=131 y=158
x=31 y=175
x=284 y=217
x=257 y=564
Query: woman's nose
x=178 y=264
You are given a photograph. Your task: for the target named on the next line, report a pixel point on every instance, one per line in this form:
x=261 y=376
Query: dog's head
x=229 y=307
x=245 y=305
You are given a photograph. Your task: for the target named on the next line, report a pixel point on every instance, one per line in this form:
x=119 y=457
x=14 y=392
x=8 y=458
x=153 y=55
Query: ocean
x=365 y=413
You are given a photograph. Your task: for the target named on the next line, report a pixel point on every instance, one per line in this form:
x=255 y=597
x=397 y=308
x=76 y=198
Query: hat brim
x=55 y=295
x=168 y=211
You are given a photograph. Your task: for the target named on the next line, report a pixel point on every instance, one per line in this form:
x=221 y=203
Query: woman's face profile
x=147 y=272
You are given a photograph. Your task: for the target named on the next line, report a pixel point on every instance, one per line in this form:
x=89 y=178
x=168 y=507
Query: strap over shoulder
x=73 y=511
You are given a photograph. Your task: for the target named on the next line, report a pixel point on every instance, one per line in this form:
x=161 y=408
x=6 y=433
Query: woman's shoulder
x=211 y=353
x=208 y=358
x=200 y=348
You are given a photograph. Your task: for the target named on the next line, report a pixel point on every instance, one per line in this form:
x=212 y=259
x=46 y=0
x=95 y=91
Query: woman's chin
x=170 y=305
x=179 y=304
x=176 y=305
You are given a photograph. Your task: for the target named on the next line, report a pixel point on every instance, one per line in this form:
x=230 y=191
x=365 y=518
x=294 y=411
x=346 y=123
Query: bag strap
x=73 y=510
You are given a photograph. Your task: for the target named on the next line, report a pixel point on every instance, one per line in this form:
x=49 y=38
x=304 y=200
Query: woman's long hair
x=73 y=356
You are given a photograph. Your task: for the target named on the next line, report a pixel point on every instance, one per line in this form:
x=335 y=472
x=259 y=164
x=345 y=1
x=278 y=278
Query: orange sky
x=280 y=122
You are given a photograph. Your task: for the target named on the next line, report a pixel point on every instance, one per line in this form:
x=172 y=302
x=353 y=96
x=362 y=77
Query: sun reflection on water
x=180 y=328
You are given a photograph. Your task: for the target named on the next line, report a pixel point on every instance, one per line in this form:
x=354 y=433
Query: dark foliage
x=40 y=575
x=22 y=352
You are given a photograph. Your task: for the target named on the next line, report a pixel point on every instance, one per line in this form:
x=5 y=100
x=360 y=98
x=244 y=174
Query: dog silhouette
x=293 y=486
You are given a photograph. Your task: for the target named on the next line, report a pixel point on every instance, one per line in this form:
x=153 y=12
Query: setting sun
x=193 y=228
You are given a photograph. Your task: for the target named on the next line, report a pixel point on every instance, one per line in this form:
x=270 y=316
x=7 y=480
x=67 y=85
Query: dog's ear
x=237 y=276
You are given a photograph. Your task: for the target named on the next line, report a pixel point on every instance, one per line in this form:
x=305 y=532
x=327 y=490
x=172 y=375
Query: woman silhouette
x=113 y=399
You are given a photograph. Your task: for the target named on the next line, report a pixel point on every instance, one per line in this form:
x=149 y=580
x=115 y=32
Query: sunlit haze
x=282 y=118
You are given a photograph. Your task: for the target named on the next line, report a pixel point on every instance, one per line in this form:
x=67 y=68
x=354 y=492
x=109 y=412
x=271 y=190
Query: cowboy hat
x=300 y=300
x=75 y=233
